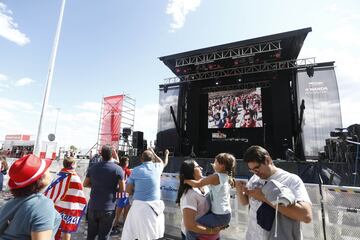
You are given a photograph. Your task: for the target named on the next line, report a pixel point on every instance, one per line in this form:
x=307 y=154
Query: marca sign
x=17 y=137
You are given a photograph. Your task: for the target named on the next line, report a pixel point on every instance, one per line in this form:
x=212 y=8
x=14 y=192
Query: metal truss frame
x=257 y=68
x=262 y=84
x=240 y=52
x=127 y=121
x=127 y=115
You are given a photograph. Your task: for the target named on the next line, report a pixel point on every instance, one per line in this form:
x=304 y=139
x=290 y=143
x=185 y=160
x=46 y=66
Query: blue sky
x=112 y=47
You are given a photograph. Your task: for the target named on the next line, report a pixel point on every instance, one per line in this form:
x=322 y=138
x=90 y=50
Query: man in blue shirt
x=145 y=219
x=105 y=179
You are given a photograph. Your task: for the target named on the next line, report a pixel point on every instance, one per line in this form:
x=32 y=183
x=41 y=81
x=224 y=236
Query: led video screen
x=241 y=108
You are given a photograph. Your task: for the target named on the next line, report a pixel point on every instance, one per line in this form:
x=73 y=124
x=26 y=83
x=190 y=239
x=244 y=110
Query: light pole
x=49 y=79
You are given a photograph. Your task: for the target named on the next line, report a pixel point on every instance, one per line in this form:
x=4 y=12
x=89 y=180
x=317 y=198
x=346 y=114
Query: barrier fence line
x=342 y=212
x=336 y=213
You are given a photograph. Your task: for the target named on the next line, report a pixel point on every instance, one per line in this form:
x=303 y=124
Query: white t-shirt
x=220 y=195
x=292 y=181
x=196 y=200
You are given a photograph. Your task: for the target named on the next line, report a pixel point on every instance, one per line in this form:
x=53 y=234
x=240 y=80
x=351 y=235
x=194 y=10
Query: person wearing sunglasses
x=248 y=120
x=262 y=211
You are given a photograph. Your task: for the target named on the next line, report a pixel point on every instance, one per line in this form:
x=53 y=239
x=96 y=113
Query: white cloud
x=17 y=117
x=9 y=29
x=79 y=129
x=90 y=106
x=23 y=82
x=350 y=111
x=3 y=78
x=3 y=82
x=178 y=9
x=18 y=106
x=345 y=36
x=146 y=121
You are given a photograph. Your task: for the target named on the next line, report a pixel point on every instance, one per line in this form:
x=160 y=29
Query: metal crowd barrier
x=169 y=187
x=340 y=208
x=342 y=212
x=314 y=230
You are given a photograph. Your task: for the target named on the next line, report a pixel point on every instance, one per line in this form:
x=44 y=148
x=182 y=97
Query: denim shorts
x=123 y=202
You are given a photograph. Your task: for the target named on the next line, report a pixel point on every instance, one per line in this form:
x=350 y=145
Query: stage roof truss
x=234 y=53
x=248 y=85
x=256 y=68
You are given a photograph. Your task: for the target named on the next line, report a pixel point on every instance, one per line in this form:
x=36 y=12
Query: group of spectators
x=18 y=151
x=57 y=212
x=277 y=199
x=231 y=111
x=145 y=218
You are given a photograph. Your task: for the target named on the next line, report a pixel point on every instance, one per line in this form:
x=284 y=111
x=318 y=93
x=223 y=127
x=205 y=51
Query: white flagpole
x=49 y=79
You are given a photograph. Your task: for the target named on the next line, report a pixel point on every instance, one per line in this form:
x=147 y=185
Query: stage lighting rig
x=166 y=88
x=310 y=71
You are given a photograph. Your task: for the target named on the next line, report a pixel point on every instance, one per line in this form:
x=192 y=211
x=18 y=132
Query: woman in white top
x=219 y=184
x=3 y=170
x=194 y=203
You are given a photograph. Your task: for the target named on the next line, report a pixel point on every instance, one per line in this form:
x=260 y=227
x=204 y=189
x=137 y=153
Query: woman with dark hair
x=123 y=201
x=30 y=215
x=3 y=170
x=194 y=202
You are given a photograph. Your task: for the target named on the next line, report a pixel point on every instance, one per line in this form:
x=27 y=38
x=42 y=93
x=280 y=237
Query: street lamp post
x=49 y=79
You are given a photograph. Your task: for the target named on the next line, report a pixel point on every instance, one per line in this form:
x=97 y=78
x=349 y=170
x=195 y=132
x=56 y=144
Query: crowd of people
x=237 y=110
x=18 y=151
x=278 y=201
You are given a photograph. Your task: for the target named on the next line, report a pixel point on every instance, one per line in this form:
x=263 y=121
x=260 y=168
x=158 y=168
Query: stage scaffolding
x=122 y=127
x=238 y=71
x=127 y=121
x=234 y=53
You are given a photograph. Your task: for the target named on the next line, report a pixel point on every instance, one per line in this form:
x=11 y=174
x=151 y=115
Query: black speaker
x=138 y=141
x=145 y=144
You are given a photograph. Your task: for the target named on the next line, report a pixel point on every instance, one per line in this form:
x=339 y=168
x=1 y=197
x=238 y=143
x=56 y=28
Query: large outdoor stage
x=229 y=97
x=253 y=92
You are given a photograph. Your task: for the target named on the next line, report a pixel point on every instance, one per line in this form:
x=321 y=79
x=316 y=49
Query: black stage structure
x=269 y=63
x=268 y=67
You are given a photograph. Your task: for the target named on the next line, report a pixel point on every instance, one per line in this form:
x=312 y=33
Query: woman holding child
x=194 y=202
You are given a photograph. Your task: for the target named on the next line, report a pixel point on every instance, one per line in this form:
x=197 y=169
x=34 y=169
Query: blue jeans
x=1 y=181
x=210 y=220
x=100 y=223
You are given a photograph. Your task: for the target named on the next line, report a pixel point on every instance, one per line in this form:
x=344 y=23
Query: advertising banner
x=111 y=120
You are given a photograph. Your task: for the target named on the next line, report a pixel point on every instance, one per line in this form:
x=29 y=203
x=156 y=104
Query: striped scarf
x=68 y=196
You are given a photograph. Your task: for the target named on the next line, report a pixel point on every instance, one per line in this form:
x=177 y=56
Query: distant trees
x=73 y=150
